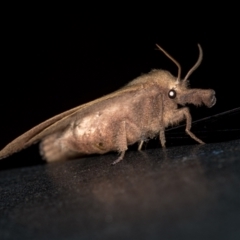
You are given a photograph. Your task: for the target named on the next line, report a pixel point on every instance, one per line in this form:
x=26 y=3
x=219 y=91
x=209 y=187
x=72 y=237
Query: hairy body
x=139 y=111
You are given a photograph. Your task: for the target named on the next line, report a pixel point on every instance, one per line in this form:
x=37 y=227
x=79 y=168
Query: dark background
x=54 y=60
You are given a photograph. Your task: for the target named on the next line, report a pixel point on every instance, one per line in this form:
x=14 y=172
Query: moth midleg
x=187 y=115
x=140 y=145
x=121 y=141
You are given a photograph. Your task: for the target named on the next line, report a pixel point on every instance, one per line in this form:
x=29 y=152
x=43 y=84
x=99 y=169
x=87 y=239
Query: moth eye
x=172 y=93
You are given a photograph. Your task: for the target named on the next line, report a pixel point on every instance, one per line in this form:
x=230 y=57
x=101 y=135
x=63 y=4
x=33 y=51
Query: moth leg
x=121 y=142
x=162 y=137
x=140 y=145
x=188 y=118
x=162 y=128
x=119 y=159
x=188 y=126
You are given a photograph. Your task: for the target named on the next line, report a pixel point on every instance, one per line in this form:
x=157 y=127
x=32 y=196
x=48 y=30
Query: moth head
x=178 y=90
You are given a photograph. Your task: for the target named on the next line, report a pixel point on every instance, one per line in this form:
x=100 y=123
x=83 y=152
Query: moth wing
x=36 y=133
x=54 y=124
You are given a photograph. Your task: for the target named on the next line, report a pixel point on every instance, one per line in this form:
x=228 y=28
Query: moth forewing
x=54 y=124
x=139 y=111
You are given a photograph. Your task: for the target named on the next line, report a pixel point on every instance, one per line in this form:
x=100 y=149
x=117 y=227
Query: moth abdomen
x=54 y=148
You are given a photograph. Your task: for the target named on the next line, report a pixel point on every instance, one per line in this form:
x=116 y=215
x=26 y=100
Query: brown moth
x=137 y=112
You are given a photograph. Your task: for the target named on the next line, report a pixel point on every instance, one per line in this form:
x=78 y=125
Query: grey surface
x=186 y=192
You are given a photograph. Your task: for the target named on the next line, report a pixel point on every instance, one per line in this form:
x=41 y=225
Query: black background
x=53 y=60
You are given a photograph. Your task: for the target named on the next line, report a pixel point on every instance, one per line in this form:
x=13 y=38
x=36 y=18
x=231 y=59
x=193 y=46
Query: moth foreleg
x=121 y=142
x=162 y=127
x=188 y=118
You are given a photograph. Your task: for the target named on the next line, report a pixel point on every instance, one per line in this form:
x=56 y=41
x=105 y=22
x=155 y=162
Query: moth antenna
x=196 y=64
x=170 y=57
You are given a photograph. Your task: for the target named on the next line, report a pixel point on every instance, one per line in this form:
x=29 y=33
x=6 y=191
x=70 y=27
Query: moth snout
x=211 y=98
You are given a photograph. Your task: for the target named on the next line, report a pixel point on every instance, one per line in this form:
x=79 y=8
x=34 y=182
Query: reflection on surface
x=189 y=191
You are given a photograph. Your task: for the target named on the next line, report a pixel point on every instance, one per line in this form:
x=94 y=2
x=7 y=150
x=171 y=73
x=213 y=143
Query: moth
x=139 y=111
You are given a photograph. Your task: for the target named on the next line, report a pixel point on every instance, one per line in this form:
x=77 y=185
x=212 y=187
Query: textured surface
x=187 y=192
